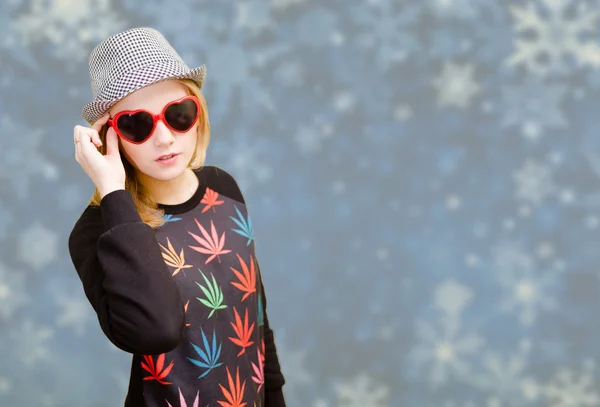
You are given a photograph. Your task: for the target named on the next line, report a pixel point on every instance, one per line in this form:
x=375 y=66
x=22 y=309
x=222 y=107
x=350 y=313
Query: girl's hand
x=105 y=171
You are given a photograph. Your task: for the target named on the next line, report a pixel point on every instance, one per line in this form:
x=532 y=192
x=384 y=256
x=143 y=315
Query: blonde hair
x=147 y=207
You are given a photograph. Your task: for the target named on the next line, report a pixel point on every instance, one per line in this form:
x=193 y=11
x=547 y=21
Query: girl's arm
x=125 y=278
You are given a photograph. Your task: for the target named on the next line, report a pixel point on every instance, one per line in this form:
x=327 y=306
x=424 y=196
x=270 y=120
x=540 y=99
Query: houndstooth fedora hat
x=128 y=61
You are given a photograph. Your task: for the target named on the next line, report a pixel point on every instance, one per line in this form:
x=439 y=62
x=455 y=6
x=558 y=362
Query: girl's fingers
x=85 y=145
x=96 y=139
x=101 y=122
x=112 y=142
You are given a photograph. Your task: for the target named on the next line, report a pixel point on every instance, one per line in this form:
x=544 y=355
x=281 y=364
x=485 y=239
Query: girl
x=165 y=249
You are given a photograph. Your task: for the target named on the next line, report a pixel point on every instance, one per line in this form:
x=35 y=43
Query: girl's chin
x=161 y=173
x=166 y=172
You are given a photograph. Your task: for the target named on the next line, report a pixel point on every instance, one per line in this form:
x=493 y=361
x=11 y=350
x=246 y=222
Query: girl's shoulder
x=220 y=181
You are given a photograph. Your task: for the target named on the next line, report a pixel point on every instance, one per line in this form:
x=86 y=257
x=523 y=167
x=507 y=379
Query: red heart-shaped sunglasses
x=136 y=126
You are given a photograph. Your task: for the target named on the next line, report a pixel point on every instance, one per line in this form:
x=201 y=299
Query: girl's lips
x=168 y=160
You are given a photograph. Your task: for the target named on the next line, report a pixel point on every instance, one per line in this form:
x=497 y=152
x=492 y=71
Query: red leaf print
x=243 y=332
x=211 y=244
x=157 y=373
x=235 y=394
x=210 y=200
x=247 y=282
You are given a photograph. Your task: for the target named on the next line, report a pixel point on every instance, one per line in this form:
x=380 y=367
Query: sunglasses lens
x=136 y=127
x=182 y=116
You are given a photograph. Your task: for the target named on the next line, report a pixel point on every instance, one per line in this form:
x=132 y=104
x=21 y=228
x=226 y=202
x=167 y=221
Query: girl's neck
x=171 y=192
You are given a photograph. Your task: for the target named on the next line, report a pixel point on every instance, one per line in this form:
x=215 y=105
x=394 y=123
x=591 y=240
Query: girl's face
x=163 y=141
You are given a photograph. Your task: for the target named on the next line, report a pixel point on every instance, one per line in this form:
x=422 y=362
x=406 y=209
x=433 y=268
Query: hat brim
x=96 y=109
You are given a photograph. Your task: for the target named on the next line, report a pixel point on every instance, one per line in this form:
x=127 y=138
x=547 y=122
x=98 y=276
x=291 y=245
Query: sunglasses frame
x=112 y=122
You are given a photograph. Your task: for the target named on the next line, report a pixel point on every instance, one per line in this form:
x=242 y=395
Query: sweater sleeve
x=125 y=278
x=274 y=379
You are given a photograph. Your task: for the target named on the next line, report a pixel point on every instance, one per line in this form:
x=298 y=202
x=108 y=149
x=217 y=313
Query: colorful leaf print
x=210 y=354
x=169 y=218
x=156 y=371
x=185 y=308
x=247 y=282
x=243 y=332
x=210 y=244
x=182 y=402
x=263 y=350
x=235 y=394
x=174 y=260
x=214 y=294
x=210 y=200
x=245 y=226
x=261 y=316
x=259 y=370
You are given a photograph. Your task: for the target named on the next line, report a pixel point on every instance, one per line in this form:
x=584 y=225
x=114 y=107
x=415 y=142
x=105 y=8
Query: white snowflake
x=455 y=85
x=7 y=9
x=289 y=73
x=29 y=342
x=314 y=26
x=534 y=106
x=75 y=312
x=533 y=182
x=19 y=154
x=71 y=196
x=293 y=362
x=529 y=296
x=452 y=297
x=572 y=389
x=402 y=113
x=253 y=16
x=70 y=26
x=344 y=101
x=504 y=376
x=233 y=73
x=362 y=391
x=508 y=257
x=446 y=348
x=310 y=135
x=231 y=62
x=38 y=246
x=557 y=36
x=5 y=385
x=197 y=19
x=247 y=159
x=388 y=29
x=13 y=293
x=526 y=289
x=459 y=9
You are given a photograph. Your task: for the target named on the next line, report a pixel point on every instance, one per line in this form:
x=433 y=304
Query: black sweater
x=187 y=299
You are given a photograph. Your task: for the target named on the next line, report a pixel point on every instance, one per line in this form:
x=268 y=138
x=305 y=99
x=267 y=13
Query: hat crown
x=126 y=52
x=131 y=60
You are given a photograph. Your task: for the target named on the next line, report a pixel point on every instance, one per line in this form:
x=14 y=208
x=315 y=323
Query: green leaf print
x=209 y=355
x=260 y=312
x=213 y=293
x=245 y=226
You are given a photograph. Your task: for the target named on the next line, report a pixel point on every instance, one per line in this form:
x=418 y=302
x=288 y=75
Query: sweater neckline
x=188 y=205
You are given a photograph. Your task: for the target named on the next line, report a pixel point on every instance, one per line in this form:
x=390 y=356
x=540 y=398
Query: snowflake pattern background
x=423 y=178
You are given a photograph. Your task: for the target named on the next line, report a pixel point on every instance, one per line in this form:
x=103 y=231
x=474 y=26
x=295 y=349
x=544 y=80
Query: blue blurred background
x=422 y=175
